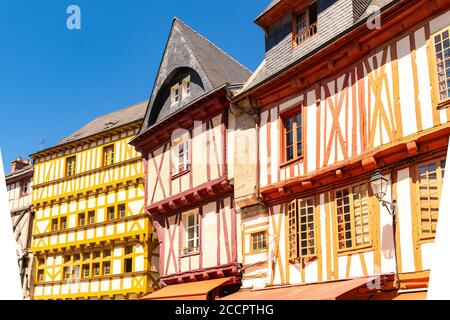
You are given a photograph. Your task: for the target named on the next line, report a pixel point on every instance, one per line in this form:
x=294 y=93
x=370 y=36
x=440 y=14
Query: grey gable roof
x=187 y=48
x=219 y=67
x=107 y=122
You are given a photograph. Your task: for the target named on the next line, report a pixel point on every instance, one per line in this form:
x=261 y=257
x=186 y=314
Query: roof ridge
x=211 y=43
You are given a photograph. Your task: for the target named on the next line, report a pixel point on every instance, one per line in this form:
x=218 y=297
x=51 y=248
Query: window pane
x=290 y=153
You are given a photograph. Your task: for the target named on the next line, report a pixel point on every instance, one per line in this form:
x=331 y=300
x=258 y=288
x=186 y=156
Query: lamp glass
x=378 y=184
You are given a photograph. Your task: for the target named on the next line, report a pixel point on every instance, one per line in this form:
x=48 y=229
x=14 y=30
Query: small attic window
x=175 y=94
x=187 y=86
x=180 y=91
x=304 y=24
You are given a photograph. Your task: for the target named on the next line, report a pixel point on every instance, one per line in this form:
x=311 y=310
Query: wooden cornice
x=192 y=197
x=410 y=148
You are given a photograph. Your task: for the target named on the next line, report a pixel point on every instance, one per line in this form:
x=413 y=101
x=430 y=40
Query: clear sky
x=54 y=80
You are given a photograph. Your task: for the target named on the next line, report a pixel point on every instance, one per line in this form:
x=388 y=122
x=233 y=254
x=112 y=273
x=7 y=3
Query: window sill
x=305 y=259
x=443 y=104
x=356 y=250
x=259 y=251
x=178 y=175
x=191 y=254
x=428 y=239
x=291 y=162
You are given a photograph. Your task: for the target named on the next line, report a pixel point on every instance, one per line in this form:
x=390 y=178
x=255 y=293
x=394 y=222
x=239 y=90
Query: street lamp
x=379 y=185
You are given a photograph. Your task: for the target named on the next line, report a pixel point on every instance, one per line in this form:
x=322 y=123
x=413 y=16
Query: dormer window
x=186 y=87
x=175 y=94
x=180 y=91
x=304 y=24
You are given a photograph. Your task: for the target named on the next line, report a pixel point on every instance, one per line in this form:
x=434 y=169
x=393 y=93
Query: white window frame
x=180 y=165
x=187 y=249
x=186 y=84
x=173 y=95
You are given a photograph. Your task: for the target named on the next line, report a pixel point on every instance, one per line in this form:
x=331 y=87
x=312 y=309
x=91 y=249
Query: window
x=41 y=269
x=128 y=265
x=106 y=268
x=81 y=219
x=67 y=259
x=63 y=223
x=86 y=256
x=442 y=50
x=175 y=95
x=259 y=241
x=67 y=273
x=192 y=234
x=76 y=272
x=180 y=158
x=97 y=254
x=302 y=242
x=186 y=87
x=429 y=185
x=180 y=91
x=107 y=253
x=40 y=275
x=108 y=155
x=122 y=211
x=91 y=217
x=293 y=143
x=54 y=224
x=353 y=217
x=96 y=269
x=111 y=213
x=71 y=164
x=25 y=188
x=76 y=257
x=86 y=271
x=304 y=24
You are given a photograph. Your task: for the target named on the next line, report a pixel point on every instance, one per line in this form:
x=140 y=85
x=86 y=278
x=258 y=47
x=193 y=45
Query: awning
x=188 y=291
x=318 y=291
x=419 y=295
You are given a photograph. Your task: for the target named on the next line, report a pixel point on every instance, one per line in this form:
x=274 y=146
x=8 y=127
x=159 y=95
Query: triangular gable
x=186 y=48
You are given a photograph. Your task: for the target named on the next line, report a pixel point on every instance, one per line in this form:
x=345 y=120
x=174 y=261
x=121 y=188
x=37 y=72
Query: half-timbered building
x=185 y=143
x=18 y=184
x=91 y=236
x=352 y=95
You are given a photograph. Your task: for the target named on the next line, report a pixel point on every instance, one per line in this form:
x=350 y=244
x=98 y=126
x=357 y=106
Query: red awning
x=188 y=291
x=318 y=291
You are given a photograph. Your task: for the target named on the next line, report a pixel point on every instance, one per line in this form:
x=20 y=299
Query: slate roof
x=186 y=48
x=219 y=67
x=108 y=122
x=261 y=75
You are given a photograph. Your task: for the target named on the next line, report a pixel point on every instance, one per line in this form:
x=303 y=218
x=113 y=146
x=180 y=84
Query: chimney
x=19 y=164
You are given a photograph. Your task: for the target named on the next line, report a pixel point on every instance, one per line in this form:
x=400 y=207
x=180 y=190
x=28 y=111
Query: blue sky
x=53 y=80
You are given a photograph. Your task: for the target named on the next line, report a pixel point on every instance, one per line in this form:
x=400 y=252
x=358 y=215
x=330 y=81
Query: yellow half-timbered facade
x=91 y=236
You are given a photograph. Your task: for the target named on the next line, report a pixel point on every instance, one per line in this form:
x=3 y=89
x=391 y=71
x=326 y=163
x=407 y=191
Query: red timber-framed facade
x=367 y=99
x=188 y=180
